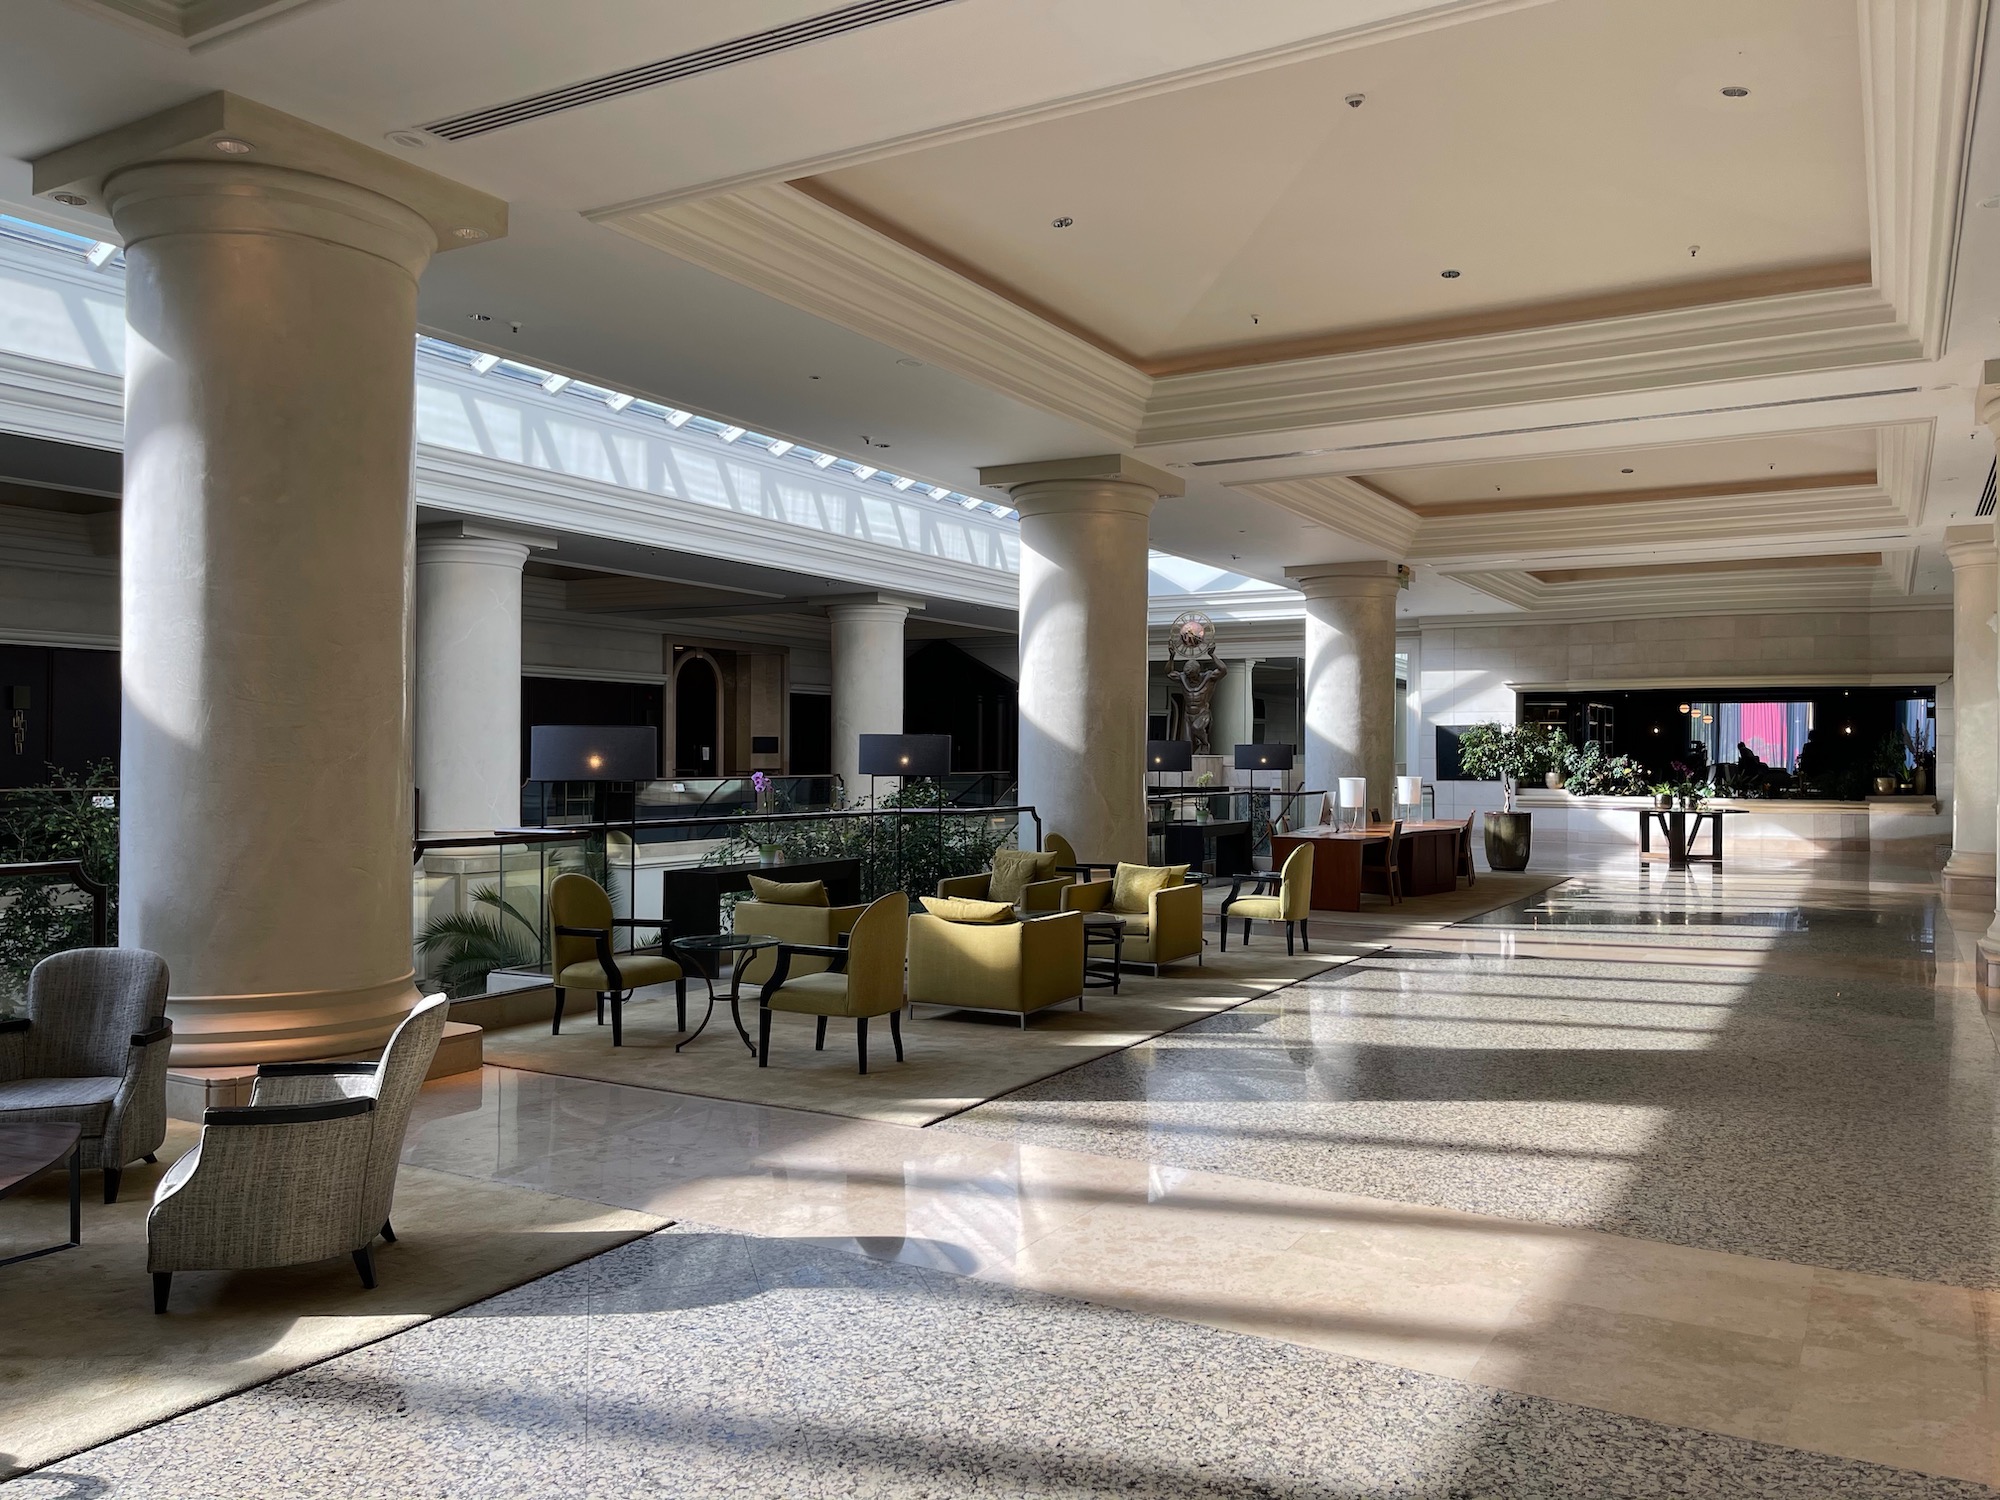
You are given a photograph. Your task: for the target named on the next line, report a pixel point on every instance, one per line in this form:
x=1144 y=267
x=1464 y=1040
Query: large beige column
x=468 y=689
x=270 y=311
x=1235 y=721
x=1349 y=701
x=1968 y=874
x=867 y=681
x=1083 y=645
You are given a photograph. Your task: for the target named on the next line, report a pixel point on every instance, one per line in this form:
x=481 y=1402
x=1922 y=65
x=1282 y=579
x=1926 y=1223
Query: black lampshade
x=1169 y=755
x=905 y=755
x=1263 y=757
x=593 y=752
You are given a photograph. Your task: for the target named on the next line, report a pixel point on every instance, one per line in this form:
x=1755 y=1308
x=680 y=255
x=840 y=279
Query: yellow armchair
x=806 y=926
x=1036 y=895
x=1163 y=929
x=580 y=914
x=1019 y=967
x=1291 y=904
x=861 y=980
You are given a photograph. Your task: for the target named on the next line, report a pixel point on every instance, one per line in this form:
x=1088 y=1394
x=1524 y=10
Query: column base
x=191 y=1090
x=1968 y=880
x=240 y=1031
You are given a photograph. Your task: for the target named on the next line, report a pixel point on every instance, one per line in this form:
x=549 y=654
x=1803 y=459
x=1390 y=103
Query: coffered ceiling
x=1569 y=158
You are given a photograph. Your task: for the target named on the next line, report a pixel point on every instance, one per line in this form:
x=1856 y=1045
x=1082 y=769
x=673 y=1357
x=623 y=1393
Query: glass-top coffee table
x=706 y=953
x=29 y=1149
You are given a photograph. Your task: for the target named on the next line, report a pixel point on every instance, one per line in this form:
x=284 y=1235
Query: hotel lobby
x=936 y=748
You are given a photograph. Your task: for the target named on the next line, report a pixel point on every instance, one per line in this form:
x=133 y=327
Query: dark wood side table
x=27 y=1151
x=1102 y=930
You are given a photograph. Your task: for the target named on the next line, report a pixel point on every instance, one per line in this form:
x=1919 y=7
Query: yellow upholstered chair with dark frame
x=581 y=923
x=1161 y=911
x=862 y=979
x=1025 y=879
x=1290 y=904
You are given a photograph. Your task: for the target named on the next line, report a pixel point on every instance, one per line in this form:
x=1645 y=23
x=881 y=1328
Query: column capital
x=1986 y=400
x=1374 y=578
x=257 y=147
x=868 y=605
x=477 y=542
x=1970 y=546
x=1117 y=469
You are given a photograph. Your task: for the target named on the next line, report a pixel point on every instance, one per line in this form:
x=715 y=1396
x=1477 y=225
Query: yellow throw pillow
x=789 y=892
x=1132 y=886
x=964 y=909
x=1014 y=870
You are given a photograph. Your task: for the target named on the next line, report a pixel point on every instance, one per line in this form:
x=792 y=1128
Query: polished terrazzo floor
x=1643 y=1187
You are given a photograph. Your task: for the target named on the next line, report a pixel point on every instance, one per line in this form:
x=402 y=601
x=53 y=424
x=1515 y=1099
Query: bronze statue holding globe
x=1194 y=668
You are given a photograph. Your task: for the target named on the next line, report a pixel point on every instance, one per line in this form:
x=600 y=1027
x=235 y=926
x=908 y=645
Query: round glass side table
x=705 y=954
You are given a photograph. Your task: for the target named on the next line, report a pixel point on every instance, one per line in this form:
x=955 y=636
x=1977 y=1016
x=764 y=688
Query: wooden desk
x=1429 y=860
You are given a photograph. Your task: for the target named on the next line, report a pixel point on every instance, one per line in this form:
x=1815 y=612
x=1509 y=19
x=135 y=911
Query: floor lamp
x=1255 y=758
x=903 y=755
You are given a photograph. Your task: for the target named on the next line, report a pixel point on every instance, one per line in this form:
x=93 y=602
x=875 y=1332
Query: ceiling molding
x=192 y=24
x=791 y=246
x=1919 y=70
x=1581 y=500
x=1348 y=505
x=1791 y=582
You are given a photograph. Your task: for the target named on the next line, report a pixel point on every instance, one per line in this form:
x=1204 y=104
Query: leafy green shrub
x=1512 y=752
x=72 y=817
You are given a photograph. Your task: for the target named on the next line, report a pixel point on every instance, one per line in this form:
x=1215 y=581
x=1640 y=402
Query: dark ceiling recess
x=684 y=65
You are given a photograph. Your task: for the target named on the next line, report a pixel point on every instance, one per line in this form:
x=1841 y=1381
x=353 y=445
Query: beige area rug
x=954 y=1058
x=84 y=1360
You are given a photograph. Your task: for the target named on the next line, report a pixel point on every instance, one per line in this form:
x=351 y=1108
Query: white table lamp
x=1354 y=799
x=1410 y=792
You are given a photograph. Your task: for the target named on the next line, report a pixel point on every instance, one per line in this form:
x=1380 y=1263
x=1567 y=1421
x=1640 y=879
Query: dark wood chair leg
x=861 y=1040
x=896 y=1032
x=681 y=1003
x=364 y=1262
x=1305 y=938
x=1246 y=932
x=617 y=1017
x=162 y=1281
x=150 y=1159
x=1222 y=922
x=600 y=1007
x=555 y=1028
x=819 y=1035
x=388 y=1232
x=763 y=1036
x=111 y=1176
x=1290 y=951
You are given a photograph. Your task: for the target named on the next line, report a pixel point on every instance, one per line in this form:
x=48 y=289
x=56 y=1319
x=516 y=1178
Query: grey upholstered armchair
x=92 y=1052
x=305 y=1171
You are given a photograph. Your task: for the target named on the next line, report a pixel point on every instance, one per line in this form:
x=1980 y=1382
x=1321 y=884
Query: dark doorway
x=946 y=691
x=58 y=707
x=697 y=728
x=812 y=734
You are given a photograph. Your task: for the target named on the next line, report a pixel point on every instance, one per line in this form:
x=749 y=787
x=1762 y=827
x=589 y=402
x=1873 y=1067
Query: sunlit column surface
x=1350 y=687
x=1968 y=875
x=1083 y=645
x=270 y=321
x=1235 y=721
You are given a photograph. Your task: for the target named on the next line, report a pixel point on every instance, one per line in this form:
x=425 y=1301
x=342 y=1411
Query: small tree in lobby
x=1510 y=752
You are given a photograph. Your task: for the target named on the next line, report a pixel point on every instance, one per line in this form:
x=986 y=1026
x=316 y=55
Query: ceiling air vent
x=1986 y=495
x=686 y=65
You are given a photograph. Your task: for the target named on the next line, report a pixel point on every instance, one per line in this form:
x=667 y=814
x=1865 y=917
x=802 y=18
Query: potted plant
x=1202 y=811
x=767 y=834
x=1663 y=795
x=1510 y=752
x=1890 y=763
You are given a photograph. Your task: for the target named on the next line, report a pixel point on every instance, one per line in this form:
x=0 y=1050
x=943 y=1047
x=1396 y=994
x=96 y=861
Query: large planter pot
x=1507 y=836
x=1885 y=786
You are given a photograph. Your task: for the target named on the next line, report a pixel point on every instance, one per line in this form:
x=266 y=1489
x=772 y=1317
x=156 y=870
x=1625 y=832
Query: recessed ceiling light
x=1449 y=275
x=71 y=199
x=1736 y=91
x=1063 y=223
x=1993 y=202
x=1624 y=471
x=230 y=146
x=406 y=138
x=469 y=234
x=480 y=317
x=914 y=364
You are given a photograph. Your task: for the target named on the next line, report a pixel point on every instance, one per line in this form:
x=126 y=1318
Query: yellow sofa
x=1018 y=967
x=1036 y=895
x=1165 y=930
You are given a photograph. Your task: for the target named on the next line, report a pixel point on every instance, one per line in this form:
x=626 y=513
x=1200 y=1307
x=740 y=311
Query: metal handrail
x=73 y=871
x=568 y=831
